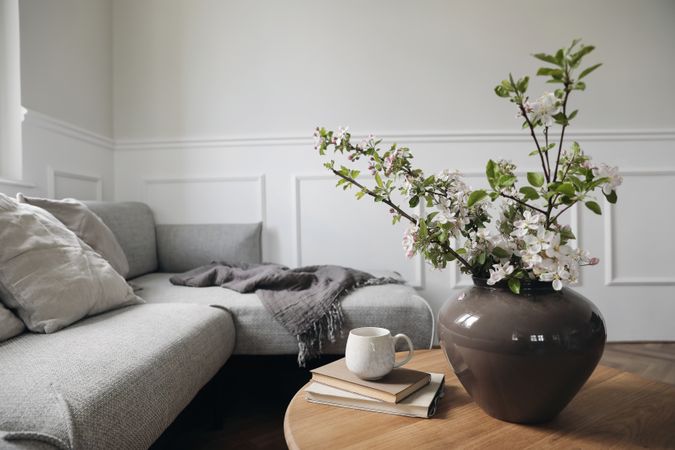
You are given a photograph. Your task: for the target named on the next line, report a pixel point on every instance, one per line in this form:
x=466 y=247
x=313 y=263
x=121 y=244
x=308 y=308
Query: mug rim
x=361 y=332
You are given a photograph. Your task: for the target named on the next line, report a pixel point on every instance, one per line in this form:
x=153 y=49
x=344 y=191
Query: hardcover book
x=392 y=388
x=419 y=404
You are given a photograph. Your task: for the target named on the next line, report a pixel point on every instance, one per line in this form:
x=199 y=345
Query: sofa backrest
x=133 y=225
x=185 y=247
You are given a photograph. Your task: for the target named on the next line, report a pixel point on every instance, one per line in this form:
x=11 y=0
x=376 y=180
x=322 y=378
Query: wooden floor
x=243 y=408
x=655 y=361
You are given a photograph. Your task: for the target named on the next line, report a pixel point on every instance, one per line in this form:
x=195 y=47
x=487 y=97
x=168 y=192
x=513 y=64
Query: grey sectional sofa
x=117 y=380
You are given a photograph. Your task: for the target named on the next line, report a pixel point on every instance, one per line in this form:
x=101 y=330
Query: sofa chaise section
x=393 y=306
x=115 y=380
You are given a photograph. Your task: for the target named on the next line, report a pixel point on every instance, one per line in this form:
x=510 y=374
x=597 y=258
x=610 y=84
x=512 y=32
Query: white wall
x=214 y=103
x=66 y=84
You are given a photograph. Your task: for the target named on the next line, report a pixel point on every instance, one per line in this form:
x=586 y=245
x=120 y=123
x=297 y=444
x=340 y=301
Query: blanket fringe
x=329 y=327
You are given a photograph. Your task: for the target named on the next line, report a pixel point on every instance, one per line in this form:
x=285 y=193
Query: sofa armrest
x=184 y=247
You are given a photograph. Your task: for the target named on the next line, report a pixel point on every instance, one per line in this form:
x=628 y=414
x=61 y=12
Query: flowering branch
x=525 y=241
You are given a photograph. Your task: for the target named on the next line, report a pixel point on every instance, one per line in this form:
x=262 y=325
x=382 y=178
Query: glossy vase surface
x=522 y=358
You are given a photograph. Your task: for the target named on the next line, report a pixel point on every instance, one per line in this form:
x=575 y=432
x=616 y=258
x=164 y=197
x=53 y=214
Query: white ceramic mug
x=370 y=352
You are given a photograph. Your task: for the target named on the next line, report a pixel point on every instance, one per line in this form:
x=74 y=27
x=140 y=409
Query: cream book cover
x=419 y=404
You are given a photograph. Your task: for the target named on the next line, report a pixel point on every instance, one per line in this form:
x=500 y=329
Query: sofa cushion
x=392 y=306
x=134 y=227
x=184 y=247
x=49 y=277
x=10 y=325
x=86 y=225
x=116 y=380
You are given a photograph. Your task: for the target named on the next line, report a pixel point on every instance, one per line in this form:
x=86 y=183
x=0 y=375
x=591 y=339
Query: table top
x=614 y=409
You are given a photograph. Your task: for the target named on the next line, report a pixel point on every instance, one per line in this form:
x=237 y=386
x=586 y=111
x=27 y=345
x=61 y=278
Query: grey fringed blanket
x=306 y=300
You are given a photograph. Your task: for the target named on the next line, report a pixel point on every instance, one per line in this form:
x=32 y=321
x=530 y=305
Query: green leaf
x=501 y=91
x=522 y=84
x=529 y=192
x=566 y=234
x=475 y=197
x=546 y=58
x=588 y=70
x=535 y=179
x=573 y=114
x=585 y=50
x=422 y=232
x=507 y=180
x=514 y=285
x=378 y=180
x=490 y=173
x=611 y=197
x=481 y=258
x=593 y=206
x=580 y=86
x=414 y=201
x=546 y=71
x=566 y=189
x=500 y=252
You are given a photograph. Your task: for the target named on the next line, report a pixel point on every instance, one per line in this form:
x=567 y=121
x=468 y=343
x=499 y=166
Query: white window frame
x=11 y=111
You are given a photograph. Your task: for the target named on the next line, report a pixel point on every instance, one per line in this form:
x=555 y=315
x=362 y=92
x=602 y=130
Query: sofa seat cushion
x=115 y=380
x=396 y=307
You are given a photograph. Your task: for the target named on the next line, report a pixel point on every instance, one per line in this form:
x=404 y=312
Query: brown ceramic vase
x=522 y=358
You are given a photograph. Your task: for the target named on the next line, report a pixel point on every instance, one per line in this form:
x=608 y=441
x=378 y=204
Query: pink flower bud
x=594 y=261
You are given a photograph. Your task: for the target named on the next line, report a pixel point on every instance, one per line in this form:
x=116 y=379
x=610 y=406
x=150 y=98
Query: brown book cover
x=392 y=388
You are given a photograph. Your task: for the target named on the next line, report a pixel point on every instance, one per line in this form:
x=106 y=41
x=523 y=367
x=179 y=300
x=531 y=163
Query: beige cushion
x=10 y=325
x=86 y=225
x=52 y=278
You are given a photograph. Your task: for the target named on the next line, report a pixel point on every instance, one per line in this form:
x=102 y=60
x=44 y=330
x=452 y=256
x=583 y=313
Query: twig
x=536 y=141
x=522 y=202
x=548 y=162
x=555 y=218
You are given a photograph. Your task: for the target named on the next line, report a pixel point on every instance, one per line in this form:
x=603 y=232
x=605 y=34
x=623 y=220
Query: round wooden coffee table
x=614 y=409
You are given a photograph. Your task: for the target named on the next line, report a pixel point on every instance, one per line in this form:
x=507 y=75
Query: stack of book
x=404 y=392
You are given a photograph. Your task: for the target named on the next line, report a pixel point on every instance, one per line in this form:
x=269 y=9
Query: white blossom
x=545 y=108
x=612 y=173
x=499 y=272
x=529 y=222
x=409 y=239
x=340 y=135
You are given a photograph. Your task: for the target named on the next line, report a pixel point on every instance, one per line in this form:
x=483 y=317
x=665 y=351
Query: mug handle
x=410 y=349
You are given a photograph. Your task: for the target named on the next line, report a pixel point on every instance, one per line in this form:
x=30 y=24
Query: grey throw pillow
x=86 y=225
x=52 y=278
x=10 y=325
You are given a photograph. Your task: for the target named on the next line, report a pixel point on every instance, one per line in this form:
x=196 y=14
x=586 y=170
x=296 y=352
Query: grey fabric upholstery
x=133 y=225
x=112 y=381
x=10 y=325
x=396 y=307
x=184 y=247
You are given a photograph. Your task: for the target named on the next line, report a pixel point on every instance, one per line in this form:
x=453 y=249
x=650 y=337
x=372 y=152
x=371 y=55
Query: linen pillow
x=10 y=325
x=86 y=225
x=50 y=276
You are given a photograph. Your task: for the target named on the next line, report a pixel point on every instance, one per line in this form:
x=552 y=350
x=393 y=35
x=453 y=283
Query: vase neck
x=526 y=286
